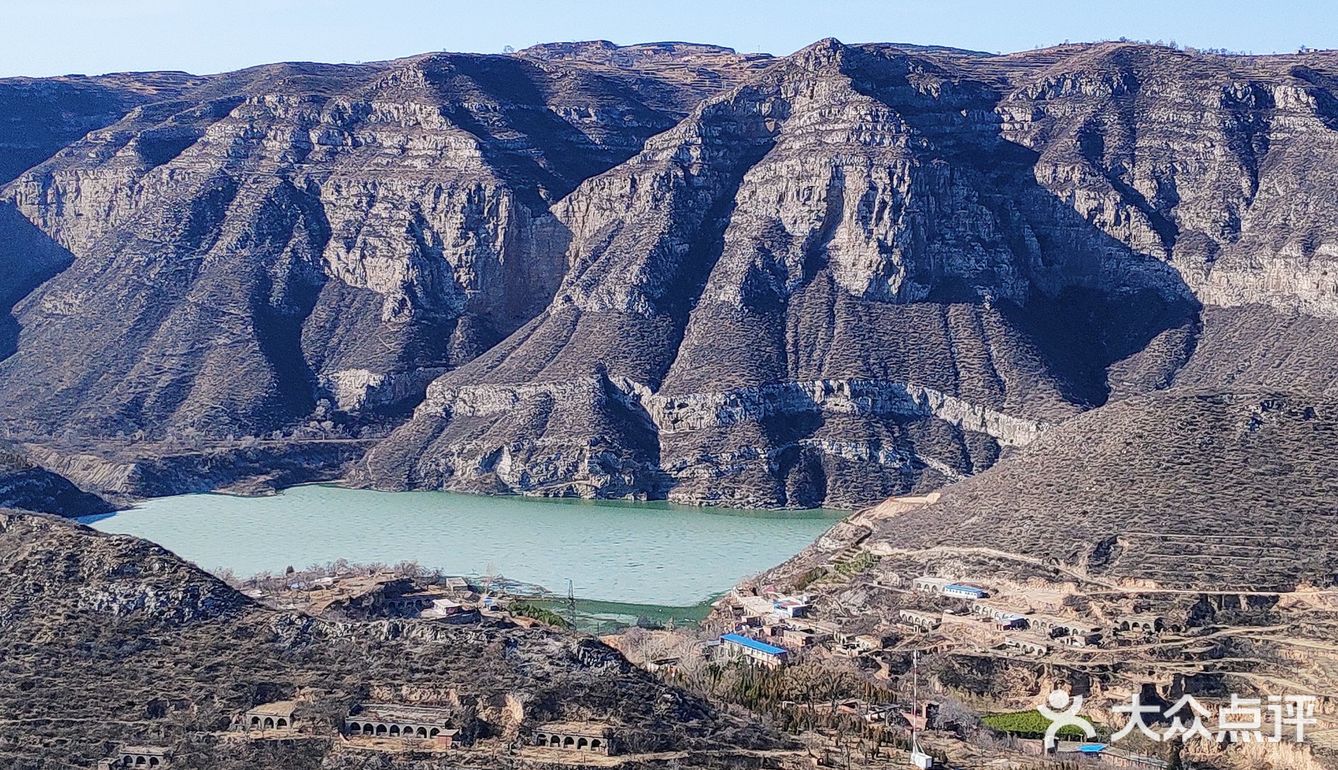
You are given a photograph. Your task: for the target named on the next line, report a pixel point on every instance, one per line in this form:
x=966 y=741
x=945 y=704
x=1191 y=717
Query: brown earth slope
x=1188 y=490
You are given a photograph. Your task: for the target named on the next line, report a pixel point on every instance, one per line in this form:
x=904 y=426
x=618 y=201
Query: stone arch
x=556 y=740
x=394 y=731
x=269 y=723
x=153 y=761
x=582 y=744
x=596 y=743
x=568 y=742
x=281 y=722
x=380 y=729
x=354 y=728
x=422 y=732
x=140 y=761
x=368 y=728
x=255 y=721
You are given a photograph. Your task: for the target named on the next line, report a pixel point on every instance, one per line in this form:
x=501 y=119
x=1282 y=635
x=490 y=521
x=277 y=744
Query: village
x=775 y=630
x=770 y=627
x=763 y=629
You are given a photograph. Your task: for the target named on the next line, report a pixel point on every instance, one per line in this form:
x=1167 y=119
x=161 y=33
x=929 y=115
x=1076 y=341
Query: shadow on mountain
x=28 y=257
x=1094 y=301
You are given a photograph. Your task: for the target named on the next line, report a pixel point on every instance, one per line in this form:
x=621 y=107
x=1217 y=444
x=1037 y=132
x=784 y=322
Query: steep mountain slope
x=38 y=117
x=43 y=115
x=295 y=232
x=871 y=269
x=109 y=640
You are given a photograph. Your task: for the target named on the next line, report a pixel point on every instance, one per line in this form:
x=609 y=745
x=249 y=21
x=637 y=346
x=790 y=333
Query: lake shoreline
x=652 y=554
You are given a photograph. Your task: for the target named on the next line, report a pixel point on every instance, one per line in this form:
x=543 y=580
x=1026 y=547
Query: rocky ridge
x=1029 y=235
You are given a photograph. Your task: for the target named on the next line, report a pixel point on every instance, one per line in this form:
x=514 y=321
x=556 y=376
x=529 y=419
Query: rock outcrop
x=28 y=485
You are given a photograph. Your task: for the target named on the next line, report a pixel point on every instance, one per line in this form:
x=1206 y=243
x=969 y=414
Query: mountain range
x=667 y=270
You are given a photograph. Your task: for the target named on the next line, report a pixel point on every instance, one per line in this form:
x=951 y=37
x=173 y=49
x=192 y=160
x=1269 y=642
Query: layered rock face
x=676 y=271
x=293 y=233
x=40 y=117
x=842 y=280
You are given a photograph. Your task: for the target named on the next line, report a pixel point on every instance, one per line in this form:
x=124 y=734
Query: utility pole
x=571 y=604
x=918 y=758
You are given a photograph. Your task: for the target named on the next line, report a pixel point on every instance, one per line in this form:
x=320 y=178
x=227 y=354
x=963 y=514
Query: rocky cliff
x=282 y=235
x=872 y=269
x=676 y=271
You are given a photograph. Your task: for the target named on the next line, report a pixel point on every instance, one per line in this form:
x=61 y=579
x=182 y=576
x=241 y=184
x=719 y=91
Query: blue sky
x=50 y=37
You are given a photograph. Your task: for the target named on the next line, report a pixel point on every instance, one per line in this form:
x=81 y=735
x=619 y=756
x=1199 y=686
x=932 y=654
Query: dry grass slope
x=1188 y=489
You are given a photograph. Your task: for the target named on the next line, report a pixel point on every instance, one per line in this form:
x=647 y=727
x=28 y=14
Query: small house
x=930 y=585
x=1145 y=622
x=740 y=647
x=403 y=722
x=582 y=737
x=965 y=591
x=922 y=620
x=275 y=717
x=790 y=607
x=1026 y=646
x=667 y=665
x=870 y=642
x=1074 y=632
x=797 y=639
x=143 y=757
x=756 y=609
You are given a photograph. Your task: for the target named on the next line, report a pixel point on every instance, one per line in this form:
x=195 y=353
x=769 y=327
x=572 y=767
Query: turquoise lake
x=635 y=553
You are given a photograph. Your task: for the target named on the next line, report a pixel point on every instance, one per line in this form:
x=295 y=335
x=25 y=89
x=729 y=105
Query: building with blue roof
x=963 y=591
x=740 y=647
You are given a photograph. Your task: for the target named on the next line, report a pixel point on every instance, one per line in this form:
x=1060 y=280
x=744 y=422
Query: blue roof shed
x=958 y=589
x=753 y=644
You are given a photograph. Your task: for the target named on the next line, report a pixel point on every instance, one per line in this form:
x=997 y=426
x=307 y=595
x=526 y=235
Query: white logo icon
x=1062 y=711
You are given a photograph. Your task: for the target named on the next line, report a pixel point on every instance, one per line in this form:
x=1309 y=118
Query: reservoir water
x=633 y=553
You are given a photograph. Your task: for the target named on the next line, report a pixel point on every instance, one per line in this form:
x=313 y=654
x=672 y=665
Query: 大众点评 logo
x=1243 y=720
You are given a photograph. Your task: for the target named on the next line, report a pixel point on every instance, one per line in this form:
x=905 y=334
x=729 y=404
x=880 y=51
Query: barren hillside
x=110 y=640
